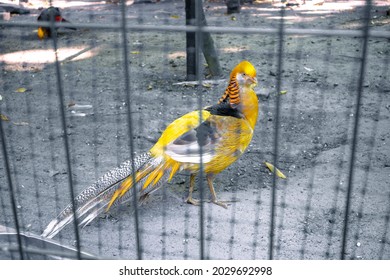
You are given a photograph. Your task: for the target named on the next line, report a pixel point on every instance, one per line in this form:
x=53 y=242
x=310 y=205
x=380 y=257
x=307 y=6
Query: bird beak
x=252 y=82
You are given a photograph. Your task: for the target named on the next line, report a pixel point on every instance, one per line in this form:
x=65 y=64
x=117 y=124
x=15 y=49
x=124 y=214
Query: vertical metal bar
x=276 y=135
x=315 y=161
x=11 y=190
x=386 y=223
x=164 y=117
x=130 y=126
x=367 y=15
x=258 y=224
x=292 y=116
x=198 y=44
x=65 y=138
x=192 y=66
x=95 y=120
x=368 y=167
x=384 y=240
x=332 y=227
x=33 y=163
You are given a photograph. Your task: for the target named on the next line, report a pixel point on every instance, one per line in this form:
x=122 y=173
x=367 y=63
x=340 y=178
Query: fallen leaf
x=283 y=92
x=21 y=89
x=150 y=87
x=308 y=69
x=80 y=106
x=21 y=123
x=271 y=167
x=206 y=85
x=1 y=98
x=175 y=16
x=134 y=52
x=77 y=114
x=71 y=104
x=4 y=118
x=233 y=18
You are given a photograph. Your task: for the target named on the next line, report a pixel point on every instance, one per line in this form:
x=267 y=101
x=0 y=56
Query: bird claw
x=220 y=203
x=192 y=201
x=223 y=204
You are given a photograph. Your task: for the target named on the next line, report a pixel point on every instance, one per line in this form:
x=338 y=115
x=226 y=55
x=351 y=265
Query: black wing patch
x=224 y=109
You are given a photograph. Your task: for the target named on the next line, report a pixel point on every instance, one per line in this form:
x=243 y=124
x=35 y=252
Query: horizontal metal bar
x=298 y=31
x=211 y=29
x=51 y=254
x=33 y=243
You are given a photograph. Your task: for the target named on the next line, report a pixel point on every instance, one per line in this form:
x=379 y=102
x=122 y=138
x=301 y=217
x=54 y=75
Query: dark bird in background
x=48 y=15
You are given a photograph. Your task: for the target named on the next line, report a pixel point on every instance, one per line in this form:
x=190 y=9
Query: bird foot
x=220 y=203
x=223 y=204
x=192 y=201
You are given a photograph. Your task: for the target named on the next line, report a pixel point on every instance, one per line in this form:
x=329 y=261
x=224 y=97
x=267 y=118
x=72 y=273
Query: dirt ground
x=319 y=79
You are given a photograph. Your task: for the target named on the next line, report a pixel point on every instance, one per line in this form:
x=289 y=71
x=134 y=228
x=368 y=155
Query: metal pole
x=130 y=126
x=190 y=41
x=276 y=135
x=367 y=16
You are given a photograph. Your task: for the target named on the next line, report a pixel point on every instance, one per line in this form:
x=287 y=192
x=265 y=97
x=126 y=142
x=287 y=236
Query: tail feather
x=150 y=175
x=104 y=203
x=94 y=199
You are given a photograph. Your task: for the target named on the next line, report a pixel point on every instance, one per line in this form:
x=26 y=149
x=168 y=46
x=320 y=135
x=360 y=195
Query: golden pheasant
x=216 y=136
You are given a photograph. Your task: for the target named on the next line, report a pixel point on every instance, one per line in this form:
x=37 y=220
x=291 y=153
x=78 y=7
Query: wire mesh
x=110 y=88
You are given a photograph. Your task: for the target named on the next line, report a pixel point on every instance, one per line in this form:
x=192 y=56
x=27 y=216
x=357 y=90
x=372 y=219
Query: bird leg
x=210 y=179
x=191 y=189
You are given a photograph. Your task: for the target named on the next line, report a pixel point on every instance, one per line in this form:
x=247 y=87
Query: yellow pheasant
x=216 y=136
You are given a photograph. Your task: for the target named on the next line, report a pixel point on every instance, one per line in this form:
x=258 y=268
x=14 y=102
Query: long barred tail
x=94 y=200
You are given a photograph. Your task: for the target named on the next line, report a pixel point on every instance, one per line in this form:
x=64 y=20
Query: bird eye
x=244 y=74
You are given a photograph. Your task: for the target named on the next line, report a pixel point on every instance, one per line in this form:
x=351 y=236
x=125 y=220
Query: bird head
x=245 y=74
x=242 y=76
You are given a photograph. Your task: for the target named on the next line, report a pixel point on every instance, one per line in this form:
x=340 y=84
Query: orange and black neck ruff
x=232 y=93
